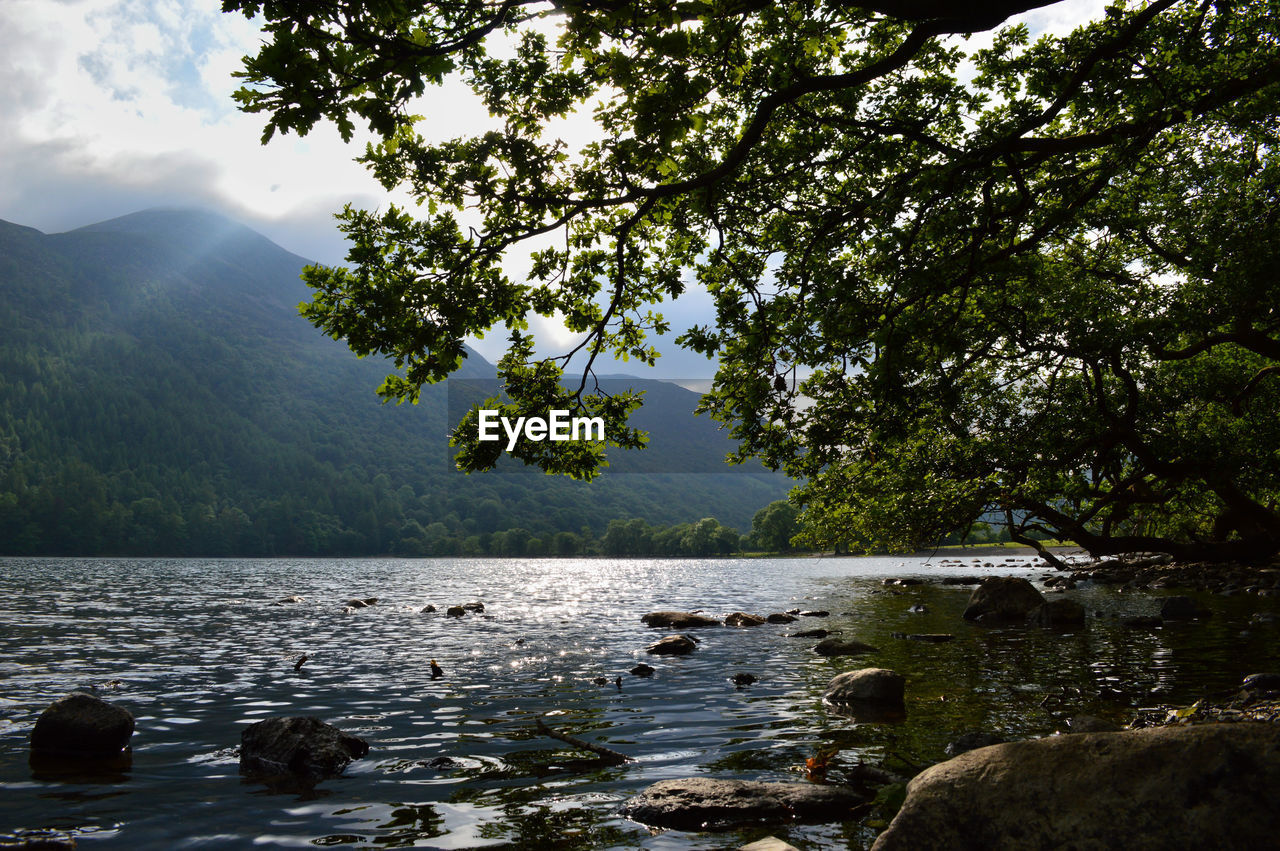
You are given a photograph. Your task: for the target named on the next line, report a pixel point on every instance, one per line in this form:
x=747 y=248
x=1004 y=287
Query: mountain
x=159 y=394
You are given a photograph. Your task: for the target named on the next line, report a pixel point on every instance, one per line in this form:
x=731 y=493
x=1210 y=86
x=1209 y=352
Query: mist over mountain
x=160 y=394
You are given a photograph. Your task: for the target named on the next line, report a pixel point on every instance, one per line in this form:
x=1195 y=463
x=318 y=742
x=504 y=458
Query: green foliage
x=773 y=527
x=1036 y=278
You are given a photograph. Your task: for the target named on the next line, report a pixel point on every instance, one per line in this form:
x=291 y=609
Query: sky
x=112 y=106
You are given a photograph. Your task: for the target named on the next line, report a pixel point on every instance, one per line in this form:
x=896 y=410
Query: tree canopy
x=1034 y=278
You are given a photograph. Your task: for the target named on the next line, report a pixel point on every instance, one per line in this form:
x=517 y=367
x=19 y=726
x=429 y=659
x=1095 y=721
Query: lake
x=195 y=650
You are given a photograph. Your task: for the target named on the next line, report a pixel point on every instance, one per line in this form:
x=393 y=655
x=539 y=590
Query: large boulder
x=1203 y=786
x=302 y=746
x=677 y=620
x=704 y=803
x=1003 y=598
x=81 y=725
x=842 y=647
x=673 y=645
x=868 y=686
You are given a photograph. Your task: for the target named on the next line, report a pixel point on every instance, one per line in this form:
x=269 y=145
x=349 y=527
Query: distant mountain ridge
x=160 y=394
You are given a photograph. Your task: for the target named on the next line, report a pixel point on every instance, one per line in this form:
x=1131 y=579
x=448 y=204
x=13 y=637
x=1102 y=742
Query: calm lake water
x=199 y=652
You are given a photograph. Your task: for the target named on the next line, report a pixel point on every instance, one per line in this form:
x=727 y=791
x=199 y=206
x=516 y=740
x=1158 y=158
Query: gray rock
x=744 y=619
x=868 y=685
x=678 y=620
x=1003 y=598
x=780 y=617
x=1058 y=613
x=1180 y=608
x=81 y=725
x=841 y=647
x=673 y=645
x=971 y=741
x=302 y=746
x=704 y=803
x=1183 y=787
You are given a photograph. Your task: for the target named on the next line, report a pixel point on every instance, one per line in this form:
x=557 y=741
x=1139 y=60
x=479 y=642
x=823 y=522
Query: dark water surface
x=199 y=652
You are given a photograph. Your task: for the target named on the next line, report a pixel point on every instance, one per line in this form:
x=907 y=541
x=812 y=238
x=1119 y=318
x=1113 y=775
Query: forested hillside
x=159 y=394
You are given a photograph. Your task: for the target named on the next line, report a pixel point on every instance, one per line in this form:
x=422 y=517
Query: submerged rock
x=677 y=620
x=81 y=725
x=705 y=803
x=780 y=617
x=819 y=613
x=1198 y=786
x=642 y=670
x=810 y=633
x=473 y=607
x=842 y=647
x=971 y=741
x=930 y=637
x=1003 y=598
x=1262 y=682
x=355 y=603
x=867 y=686
x=1091 y=724
x=1058 y=613
x=744 y=619
x=302 y=746
x=673 y=645
x=427 y=609
x=1142 y=621
x=1180 y=608
x=741 y=680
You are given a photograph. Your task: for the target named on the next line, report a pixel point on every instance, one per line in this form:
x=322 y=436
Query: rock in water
x=1003 y=598
x=1180 y=608
x=877 y=686
x=1201 y=786
x=82 y=725
x=303 y=746
x=780 y=617
x=642 y=670
x=677 y=620
x=841 y=647
x=704 y=803
x=673 y=645
x=1058 y=613
x=744 y=619
x=971 y=741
